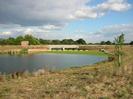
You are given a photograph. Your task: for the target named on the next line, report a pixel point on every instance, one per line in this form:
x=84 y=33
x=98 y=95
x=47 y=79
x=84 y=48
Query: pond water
x=9 y=64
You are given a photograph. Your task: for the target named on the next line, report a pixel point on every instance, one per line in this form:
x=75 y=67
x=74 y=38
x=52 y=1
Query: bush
x=24 y=51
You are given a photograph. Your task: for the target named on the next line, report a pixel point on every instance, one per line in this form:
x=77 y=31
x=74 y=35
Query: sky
x=92 y=20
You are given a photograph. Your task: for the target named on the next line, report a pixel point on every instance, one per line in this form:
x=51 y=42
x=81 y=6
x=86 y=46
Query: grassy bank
x=88 y=52
x=98 y=81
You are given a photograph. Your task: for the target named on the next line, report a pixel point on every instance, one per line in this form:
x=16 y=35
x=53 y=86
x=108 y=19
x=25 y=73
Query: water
x=9 y=64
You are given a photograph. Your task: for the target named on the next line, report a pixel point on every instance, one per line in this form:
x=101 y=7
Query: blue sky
x=92 y=20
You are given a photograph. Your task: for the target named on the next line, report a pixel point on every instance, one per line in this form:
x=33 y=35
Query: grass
x=98 y=81
x=88 y=52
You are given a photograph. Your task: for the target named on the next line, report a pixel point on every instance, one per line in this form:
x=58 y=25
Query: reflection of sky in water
x=46 y=61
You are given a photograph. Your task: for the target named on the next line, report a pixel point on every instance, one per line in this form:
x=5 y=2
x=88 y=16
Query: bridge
x=63 y=47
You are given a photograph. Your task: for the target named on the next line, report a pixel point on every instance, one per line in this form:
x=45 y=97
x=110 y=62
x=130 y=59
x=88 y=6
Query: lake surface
x=9 y=64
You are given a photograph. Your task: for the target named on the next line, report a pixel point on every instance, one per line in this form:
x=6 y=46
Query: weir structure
x=13 y=49
x=63 y=47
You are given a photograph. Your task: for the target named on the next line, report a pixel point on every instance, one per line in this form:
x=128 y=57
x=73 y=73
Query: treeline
x=111 y=43
x=37 y=41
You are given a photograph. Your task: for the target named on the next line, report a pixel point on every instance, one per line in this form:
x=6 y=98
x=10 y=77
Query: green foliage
x=102 y=43
x=131 y=43
x=42 y=41
x=19 y=39
x=23 y=51
x=106 y=43
x=119 y=41
x=56 y=42
x=68 y=41
x=35 y=41
x=81 y=41
x=32 y=40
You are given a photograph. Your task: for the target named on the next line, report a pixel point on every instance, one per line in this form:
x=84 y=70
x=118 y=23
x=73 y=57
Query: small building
x=24 y=44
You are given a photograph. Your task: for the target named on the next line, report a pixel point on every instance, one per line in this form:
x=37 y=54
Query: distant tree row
x=111 y=43
x=106 y=43
x=17 y=40
x=35 y=41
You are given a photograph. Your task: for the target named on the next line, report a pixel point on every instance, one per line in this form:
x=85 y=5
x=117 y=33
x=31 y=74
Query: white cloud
x=38 y=12
x=43 y=17
x=51 y=27
x=110 y=32
x=86 y=13
x=22 y=30
x=6 y=33
x=101 y=9
x=28 y=31
x=115 y=5
x=59 y=12
x=125 y=28
x=105 y=33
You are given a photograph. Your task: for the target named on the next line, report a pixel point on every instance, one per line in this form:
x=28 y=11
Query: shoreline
x=88 y=52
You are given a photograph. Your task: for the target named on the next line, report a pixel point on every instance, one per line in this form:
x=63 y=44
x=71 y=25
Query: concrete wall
x=63 y=47
x=36 y=50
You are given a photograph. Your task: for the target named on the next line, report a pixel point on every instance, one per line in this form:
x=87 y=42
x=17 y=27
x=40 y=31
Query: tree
x=131 y=43
x=18 y=40
x=102 y=43
x=108 y=42
x=67 y=41
x=80 y=41
x=42 y=41
x=119 y=41
x=56 y=42
x=11 y=41
x=32 y=40
x=35 y=41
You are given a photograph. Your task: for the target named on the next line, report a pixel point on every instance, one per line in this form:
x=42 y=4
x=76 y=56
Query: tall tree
x=81 y=41
x=18 y=40
x=32 y=40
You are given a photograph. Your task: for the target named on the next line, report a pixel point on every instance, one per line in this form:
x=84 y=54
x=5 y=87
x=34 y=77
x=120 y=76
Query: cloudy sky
x=92 y=20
